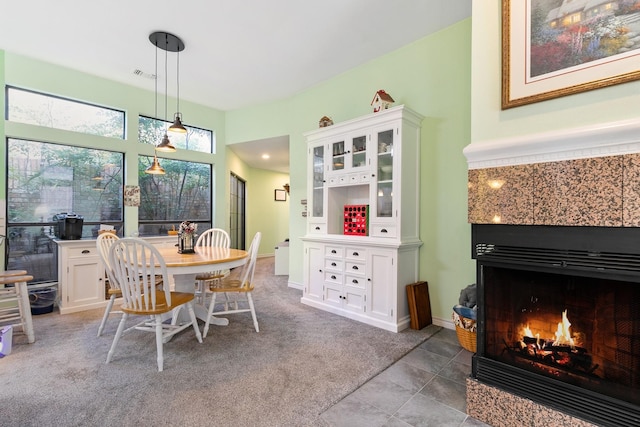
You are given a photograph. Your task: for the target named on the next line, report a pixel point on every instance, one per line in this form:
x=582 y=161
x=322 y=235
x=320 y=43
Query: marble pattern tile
x=631 y=191
x=501 y=195
x=583 y=192
x=501 y=409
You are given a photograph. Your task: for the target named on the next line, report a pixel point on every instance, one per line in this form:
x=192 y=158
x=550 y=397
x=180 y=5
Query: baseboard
x=295 y=285
x=445 y=323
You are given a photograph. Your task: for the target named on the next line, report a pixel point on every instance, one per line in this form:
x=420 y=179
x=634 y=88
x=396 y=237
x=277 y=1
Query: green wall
x=264 y=214
x=489 y=122
x=432 y=77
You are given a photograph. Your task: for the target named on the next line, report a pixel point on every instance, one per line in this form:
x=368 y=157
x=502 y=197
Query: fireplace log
x=572 y=359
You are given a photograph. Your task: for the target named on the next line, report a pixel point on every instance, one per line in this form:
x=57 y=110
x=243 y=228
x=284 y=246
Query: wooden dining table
x=183 y=268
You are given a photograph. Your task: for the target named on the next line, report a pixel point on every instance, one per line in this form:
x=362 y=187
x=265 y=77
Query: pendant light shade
x=165 y=145
x=155 y=168
x=177 y=127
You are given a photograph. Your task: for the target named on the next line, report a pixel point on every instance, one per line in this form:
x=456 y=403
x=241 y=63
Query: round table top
x=204 y=255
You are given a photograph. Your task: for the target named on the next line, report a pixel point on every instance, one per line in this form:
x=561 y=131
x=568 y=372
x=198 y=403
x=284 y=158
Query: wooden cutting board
x=419 y=306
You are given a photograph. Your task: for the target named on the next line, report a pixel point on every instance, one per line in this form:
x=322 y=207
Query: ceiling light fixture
x=155 y=168
x=171 y=43
x=177 y=126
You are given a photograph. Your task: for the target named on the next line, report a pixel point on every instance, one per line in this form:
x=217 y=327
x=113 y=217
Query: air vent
x=143 y=74
x=558 y=258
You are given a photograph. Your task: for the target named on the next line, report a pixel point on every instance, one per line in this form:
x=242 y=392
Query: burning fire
x=561 y=350
x=562 y=334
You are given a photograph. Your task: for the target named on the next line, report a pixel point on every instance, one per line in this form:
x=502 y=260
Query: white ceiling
x=237 y=53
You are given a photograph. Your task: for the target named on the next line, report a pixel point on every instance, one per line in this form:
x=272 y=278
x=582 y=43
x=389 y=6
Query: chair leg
x=116 y=338
x=107 y=311
x=159 y=342
x=253 y=311
x=200 y=291
x=194 y=321
x=25 y=311
x=212 y=303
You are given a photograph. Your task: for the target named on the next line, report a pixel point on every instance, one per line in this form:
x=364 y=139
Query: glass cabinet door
x=359 y=151
x=385 y=174
x=338 y=155
x=350 y=153
x=317 y=206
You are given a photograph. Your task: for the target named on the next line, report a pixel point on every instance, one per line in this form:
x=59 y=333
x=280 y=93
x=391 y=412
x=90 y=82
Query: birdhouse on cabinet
x=381 y=101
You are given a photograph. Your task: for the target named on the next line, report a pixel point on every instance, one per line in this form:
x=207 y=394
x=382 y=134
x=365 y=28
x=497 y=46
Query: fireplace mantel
x=607 y=139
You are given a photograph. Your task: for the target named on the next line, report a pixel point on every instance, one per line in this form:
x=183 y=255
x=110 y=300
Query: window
x=151 y=131
x=35 y=108
x=183 y=193
x=45 y=179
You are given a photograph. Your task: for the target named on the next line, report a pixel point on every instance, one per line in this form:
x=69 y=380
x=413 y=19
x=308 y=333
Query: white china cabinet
x=364 y=170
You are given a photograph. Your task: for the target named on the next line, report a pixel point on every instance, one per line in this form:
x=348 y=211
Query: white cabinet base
x=389 y=326
x=81 y=279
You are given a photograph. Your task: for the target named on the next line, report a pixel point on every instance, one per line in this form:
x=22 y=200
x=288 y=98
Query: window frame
x=8 y=88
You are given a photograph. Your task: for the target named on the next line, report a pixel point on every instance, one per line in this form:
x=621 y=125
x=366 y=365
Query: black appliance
x=69 y=226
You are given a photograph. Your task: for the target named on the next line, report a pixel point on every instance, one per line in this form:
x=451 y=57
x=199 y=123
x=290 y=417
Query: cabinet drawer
x=357 y=268
x=333 y=277
x=333 y=264
x=356 y=253
x=355 y=282
x=379 y=230
x=82 y=252
x=317 y=228
x=333 y=251
x=359 y=177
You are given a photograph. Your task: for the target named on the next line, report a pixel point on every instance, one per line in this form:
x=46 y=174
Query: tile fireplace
x=555 y=223
x=559 y=317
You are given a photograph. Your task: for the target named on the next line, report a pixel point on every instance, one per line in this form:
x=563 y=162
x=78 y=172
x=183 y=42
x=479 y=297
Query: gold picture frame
x=536 y=65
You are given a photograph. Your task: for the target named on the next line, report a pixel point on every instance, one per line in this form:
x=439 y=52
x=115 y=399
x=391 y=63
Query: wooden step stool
x=15 y=309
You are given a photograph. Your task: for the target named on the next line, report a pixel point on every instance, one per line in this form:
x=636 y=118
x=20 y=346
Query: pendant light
x=163 y=40
x=177 y=126
x=155 y=168
x=171 y=43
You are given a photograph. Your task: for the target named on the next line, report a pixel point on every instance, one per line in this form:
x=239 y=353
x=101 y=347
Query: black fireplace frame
x=606 y=252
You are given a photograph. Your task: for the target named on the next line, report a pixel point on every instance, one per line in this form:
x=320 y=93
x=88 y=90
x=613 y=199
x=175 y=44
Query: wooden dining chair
x=216 y=237
x=137 y=265
x=103 y=244
x=237 y=285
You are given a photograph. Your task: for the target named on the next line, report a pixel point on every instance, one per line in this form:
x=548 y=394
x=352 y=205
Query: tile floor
x=424 y=388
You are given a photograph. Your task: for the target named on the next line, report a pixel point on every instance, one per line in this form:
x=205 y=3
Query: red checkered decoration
x=356 y=220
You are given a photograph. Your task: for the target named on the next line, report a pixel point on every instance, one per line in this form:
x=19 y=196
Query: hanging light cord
x=178 y=82
x=166 y=38
x=155 y=104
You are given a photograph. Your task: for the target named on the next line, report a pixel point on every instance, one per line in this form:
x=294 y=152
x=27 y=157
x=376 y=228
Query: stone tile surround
x=602 y=191
x=588 y=176
x=499 y=408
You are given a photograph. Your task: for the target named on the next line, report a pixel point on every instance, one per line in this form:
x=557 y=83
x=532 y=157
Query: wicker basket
x=467 y=337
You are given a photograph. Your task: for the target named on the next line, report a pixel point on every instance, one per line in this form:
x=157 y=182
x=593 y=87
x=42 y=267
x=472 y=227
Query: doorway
x=237 y=205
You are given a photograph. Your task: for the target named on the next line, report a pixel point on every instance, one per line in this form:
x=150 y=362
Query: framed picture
x=131 y=195
x=549 y=52
x=280 y=195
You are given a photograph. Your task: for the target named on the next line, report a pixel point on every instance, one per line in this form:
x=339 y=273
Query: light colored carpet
x=301 y=362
